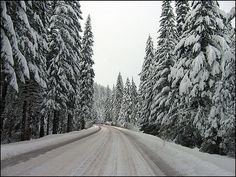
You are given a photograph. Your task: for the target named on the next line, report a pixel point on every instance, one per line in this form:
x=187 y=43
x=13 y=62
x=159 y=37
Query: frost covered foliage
x=182 y=9
x=121 y=101
x=164 y=60
x=193 y=91
x=222 y=116
x=103 y=103
x=108 y=105
x=86 y=75
x=118 y=98
x=198 y=72
x=99 y=101
x=145 y=87
x=41 y=50
x=126 y=105
x=134 y=100
x=14 y=64
x=25 y=32
x=64 y=58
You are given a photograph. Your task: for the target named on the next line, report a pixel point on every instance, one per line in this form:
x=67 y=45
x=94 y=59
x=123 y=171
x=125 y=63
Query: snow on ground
x=186 y=160
x=13 y=149
x=108 y=152
x=111 y=151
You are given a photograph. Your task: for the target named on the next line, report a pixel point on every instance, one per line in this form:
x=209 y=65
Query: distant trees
x=192 y=92
x=108 y=105
x=99 y=102
x=134 y=103
x=44 y=60
x=119 y=105
x=126 y=105
x=118 y=98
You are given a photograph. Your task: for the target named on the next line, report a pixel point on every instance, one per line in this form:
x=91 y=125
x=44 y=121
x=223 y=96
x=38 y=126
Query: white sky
x=120 y=30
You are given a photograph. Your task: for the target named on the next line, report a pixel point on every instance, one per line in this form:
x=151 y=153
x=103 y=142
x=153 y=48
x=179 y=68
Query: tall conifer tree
x=86 y=75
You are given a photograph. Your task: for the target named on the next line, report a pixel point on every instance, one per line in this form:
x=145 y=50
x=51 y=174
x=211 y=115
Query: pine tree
x=182 y=9
x=197 y=71
x=126 y=105
x=222 y=114
x=15 y=33
x=60 y=54
x=164 y=60
x=34 y=87
x=118 y=98
x=113 y=97
x=145 y=87
x=134 y=100
x=86 y=75
x=73 y=73
x=14 y=67
x=100 y=97
x=108 y=105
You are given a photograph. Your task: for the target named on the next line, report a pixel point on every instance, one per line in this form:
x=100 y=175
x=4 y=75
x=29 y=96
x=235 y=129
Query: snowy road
x=110 y=151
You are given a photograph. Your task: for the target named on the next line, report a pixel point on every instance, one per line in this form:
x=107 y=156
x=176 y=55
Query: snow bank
x=14 y=149
x=185 y=160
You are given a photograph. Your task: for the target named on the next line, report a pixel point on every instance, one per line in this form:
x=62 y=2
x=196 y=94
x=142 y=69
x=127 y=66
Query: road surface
x=108 y=152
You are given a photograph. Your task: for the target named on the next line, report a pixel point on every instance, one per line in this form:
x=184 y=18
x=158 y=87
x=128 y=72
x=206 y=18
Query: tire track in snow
x=148 y=153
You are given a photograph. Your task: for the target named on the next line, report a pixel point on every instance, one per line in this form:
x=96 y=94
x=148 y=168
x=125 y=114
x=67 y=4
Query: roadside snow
x=185 y=160
x=13 y=149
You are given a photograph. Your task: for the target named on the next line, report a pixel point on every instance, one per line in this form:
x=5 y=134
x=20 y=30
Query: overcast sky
x=120 y=30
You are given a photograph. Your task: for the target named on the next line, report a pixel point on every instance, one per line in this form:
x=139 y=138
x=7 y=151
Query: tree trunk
x=23 y=122
x=69 y=122
x=28 y=130
x=48 y=124
x=3 y=98
x=41 y=132
x=82 y=125
x=55 y=122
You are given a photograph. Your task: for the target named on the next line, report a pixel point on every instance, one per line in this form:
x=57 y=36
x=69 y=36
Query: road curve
x=108 y=152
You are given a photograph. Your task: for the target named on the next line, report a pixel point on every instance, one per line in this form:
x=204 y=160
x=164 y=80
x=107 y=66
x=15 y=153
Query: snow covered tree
x=113 y=97
x=164 y=60
x=73 y=72
x=118 y=98
x=34 y=87
x=126 y=105
x=61 y=57
x=145 y=87
x=99 y=102
x=30 y=37
x=182 y=9
x=200 y=53
x=108 y=105
x=221 y=125
x=134 y=100
x=14 y=68
x=14 y=24
x=86 y=75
